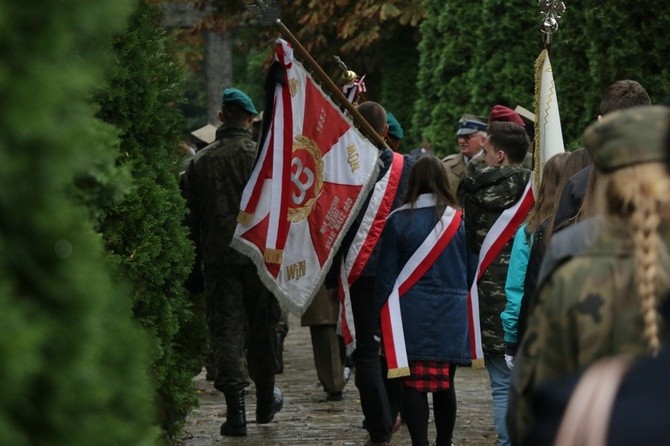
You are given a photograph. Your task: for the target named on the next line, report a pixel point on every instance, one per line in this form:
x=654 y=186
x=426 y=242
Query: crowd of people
x=547 y=281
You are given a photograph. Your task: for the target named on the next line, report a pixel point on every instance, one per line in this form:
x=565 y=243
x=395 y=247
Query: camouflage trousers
x=242 y=316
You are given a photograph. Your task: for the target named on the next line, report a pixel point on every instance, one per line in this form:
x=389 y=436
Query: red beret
x=502 y=113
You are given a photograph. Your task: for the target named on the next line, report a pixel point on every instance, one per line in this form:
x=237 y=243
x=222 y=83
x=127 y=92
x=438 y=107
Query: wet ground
x=307 y=419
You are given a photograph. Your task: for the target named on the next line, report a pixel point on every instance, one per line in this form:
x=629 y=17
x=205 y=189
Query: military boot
x=269 y=401
x=236 y=417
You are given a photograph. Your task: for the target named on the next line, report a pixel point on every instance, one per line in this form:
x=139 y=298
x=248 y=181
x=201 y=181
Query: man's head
x=471 y=134
x=375 y=115
x=623 y=94
x=236 y=108
x=506 y=144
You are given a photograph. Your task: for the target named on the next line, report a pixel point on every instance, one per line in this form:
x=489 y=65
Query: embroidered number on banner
x=303 y=187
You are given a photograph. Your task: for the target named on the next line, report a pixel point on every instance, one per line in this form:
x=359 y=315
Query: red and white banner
x=423 y=258
x=367 y=235
x=500 y=233
x=312 y=174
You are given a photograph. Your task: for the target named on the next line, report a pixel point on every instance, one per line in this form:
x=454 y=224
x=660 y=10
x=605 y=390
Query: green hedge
x=68 y=375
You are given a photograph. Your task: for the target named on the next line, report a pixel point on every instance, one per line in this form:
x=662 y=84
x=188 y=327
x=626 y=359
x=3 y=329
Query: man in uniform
x=471 y=134
x=242 y=314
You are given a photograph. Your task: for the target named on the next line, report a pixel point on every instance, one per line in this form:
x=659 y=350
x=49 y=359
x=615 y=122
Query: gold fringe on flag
x=537 y=162
x=273 y=256
x=398 y=373
x=244 y=218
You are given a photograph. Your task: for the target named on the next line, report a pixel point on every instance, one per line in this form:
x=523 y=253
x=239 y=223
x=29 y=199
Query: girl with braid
x=605 y=301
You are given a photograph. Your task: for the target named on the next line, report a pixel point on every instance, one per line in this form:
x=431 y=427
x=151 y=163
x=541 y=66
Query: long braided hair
x=639 y=195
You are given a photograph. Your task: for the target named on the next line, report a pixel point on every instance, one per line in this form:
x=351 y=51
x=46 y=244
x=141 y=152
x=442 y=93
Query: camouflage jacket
x=587 y=308
x=212 y=186
x=487 y=192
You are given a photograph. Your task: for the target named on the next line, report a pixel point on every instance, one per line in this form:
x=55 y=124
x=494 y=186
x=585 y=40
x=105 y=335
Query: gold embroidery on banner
x=353 y=157
x=314 y=180
x=273 y=256
x=293 y=86
x=296 y=270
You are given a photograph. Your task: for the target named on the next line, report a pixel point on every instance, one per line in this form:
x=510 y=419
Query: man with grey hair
x=471 y=134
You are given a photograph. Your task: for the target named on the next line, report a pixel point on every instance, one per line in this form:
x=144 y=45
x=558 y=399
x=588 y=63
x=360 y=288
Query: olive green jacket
x=587 y=308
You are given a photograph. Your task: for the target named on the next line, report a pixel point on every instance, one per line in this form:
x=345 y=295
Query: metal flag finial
x=551 y=11
x=267 y=12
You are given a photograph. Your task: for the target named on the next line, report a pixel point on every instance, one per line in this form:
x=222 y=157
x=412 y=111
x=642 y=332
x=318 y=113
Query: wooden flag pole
x=268 y=13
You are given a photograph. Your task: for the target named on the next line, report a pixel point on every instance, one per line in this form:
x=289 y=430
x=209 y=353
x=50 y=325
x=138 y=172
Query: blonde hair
x=639 y=195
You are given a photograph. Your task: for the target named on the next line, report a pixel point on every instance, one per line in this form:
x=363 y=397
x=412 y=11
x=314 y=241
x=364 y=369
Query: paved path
x=307 y=419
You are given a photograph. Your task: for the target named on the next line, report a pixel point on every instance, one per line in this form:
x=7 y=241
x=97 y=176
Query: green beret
x=395 y=129
x=623 y=138
x=238 y=97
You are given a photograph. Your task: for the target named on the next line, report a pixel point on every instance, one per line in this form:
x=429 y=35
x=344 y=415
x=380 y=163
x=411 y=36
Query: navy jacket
x=434 y=310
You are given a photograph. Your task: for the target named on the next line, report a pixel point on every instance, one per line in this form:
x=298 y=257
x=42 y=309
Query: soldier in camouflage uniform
x=604 y=301
x=493 y=184
x=241 y=312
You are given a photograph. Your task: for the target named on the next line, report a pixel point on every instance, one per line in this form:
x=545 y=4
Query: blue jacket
x=516 y=275
x=434 y=310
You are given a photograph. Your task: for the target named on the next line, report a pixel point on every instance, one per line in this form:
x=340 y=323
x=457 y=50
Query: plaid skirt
x=427 y=376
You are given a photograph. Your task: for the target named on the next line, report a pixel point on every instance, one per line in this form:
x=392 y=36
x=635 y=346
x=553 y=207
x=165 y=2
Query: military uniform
x=241 y=312
x=589 y=309
x=454 y=164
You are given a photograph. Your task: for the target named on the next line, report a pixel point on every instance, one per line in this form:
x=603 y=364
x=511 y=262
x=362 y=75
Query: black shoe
x=236 y=417
x=334 y=396
x=268 y=403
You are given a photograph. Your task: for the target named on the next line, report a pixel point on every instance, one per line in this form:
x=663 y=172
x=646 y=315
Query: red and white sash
x=367 y=235
x=500 y=233
x=423 y=258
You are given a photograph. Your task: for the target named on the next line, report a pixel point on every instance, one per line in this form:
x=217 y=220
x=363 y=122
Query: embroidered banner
x=312 y=174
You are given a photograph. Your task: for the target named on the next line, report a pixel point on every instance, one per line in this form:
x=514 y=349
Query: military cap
x=627 y=137
x=238 y=97
x=395 y=129
x=469 y=124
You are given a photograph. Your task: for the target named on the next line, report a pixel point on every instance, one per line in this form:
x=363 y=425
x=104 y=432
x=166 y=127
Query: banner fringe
x=478 y=363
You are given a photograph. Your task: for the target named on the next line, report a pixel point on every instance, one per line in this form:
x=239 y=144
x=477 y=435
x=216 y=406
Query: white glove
x=509 y=359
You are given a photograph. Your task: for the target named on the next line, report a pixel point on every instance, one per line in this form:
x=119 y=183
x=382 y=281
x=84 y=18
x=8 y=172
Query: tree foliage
x=68 y=376
x=144 y=232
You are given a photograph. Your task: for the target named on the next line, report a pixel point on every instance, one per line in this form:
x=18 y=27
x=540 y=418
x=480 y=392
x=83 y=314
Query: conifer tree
x=68 y=376
x=144 y=232
x=446 y=54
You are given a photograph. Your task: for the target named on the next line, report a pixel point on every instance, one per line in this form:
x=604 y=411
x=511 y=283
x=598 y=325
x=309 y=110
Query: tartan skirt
x=427 y=376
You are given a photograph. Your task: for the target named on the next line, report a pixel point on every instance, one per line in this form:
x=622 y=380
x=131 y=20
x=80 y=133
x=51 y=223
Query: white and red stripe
x=367 y=235
x=421 y=260
x=500 y=233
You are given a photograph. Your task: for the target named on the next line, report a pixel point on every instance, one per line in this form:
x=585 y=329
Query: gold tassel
x=478 y=363
x=273 y=256
x=244 y=218
x=398 y=373
x=537 y=168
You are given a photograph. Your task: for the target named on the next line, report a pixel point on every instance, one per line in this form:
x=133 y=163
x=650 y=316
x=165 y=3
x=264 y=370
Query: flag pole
x=268 y=13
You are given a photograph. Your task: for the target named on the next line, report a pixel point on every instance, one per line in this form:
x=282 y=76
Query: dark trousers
x=369 y=378
x=242 y=316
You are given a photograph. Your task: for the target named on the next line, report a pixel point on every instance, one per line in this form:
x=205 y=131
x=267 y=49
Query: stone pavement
x=307 y=419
